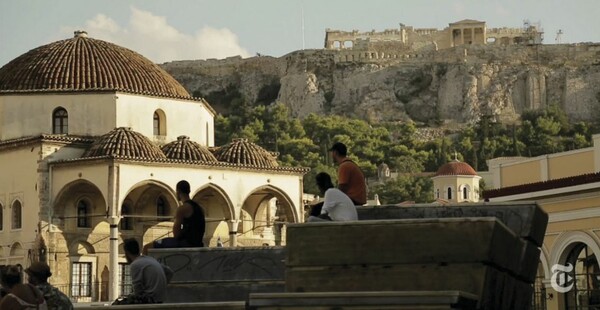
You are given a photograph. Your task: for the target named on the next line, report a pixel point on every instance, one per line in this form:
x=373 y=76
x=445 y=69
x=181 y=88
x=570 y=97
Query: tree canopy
x=305 y=143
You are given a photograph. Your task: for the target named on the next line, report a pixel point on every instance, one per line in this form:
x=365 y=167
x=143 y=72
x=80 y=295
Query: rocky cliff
x=453 y=85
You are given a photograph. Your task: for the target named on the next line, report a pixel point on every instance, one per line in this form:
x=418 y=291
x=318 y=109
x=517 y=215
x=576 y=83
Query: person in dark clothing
x=189 y=226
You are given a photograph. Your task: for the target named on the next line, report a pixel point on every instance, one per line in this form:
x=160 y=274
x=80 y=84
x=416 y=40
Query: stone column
x=233 y=227
x=113 y=220
x=113 y=262
x=462 y=36
x=472 y=35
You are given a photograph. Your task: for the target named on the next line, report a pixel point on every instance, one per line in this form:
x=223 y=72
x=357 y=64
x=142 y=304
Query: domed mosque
x=95 y=137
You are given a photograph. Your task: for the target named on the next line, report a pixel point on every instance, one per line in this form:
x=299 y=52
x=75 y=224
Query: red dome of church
x=456 y=167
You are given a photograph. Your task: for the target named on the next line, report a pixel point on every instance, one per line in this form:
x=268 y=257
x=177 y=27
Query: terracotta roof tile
x=125 y=142
x=185 y=149
x=541 y=186
x=241 y=151
x=86 y=64
x=456 y=168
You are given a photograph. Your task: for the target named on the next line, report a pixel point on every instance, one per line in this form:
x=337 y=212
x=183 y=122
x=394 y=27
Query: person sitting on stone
x=20 y=296
x=38 y=273
x=337 y=206
x=149 y=278
x=189 y=226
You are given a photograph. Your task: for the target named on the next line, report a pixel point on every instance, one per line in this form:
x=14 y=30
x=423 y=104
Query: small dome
x=241 y=151
x=82 y=64
x=456 y=167
x=124 y=142
x=185 y=149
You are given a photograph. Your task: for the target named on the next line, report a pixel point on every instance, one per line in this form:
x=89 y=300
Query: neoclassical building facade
x=93 y=139
x=567 y=186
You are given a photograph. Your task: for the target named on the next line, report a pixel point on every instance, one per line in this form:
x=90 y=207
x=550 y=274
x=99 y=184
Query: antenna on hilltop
x=559 y=34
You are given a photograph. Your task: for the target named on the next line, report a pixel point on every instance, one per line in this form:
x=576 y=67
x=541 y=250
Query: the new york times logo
x=562 y=280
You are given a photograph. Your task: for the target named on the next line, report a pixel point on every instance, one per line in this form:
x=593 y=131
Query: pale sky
x=199 y=29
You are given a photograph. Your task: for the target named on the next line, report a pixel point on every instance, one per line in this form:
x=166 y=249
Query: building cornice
x=177 y=162
x=574 y=215
x=56 y=139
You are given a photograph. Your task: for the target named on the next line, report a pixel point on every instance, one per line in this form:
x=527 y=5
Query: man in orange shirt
x=351 y=180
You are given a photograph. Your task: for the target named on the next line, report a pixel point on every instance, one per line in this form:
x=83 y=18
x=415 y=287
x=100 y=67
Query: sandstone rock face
x=457 y=85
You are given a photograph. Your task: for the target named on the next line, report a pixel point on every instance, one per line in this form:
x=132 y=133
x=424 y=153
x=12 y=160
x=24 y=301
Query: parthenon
x=464 y=32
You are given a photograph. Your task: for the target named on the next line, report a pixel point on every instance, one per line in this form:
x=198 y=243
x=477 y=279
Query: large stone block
x=223 y=264
x=470 y=278
x=530 y=259
x=214 y=291
x=409 y=241
x=365 y=300
x=222 y=274
x=525 y=219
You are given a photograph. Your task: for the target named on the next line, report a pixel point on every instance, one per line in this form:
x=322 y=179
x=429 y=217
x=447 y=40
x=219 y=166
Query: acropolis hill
x=456 y=74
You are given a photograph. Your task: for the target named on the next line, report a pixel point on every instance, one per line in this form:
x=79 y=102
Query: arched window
x=126 y=222
x=159 y=123
x=1 y=217
x=449 y=192
x=437 y=193
x=162 y=209
x=465 y=193
x=83 y=214
x=60 y=121
x=17 y=216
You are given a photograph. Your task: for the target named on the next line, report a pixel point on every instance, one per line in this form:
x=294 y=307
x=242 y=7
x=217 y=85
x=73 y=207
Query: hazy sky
x=199 y=29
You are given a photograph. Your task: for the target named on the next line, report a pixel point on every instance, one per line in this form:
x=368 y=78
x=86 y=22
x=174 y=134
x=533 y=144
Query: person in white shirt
x=337 y=206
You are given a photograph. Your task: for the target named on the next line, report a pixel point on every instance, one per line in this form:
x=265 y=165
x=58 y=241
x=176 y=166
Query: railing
x=90 y=292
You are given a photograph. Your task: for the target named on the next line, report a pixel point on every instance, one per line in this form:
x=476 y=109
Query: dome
x=185 y=149
x=241 y=151
x=124 y=142
x=456 y=167
x=84 y=64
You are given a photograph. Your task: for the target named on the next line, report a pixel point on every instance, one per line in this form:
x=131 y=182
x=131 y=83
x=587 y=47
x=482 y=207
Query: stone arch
x=211 y=188
x=16 y=250
x=81 y=247
x=262 y=227
x=146 y=222
x=218 y=210
x=290 y=209
x=154 y=189
x=545 y=263
x=567 y=241
x=66 y=203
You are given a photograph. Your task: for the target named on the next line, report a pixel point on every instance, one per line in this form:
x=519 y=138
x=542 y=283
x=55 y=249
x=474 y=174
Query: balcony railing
x=91 y=292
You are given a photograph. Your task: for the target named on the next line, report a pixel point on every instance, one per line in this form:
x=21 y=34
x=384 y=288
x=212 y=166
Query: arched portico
x=150 y=206
x=79 y=206
x=263 y=215
x=218 y=210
